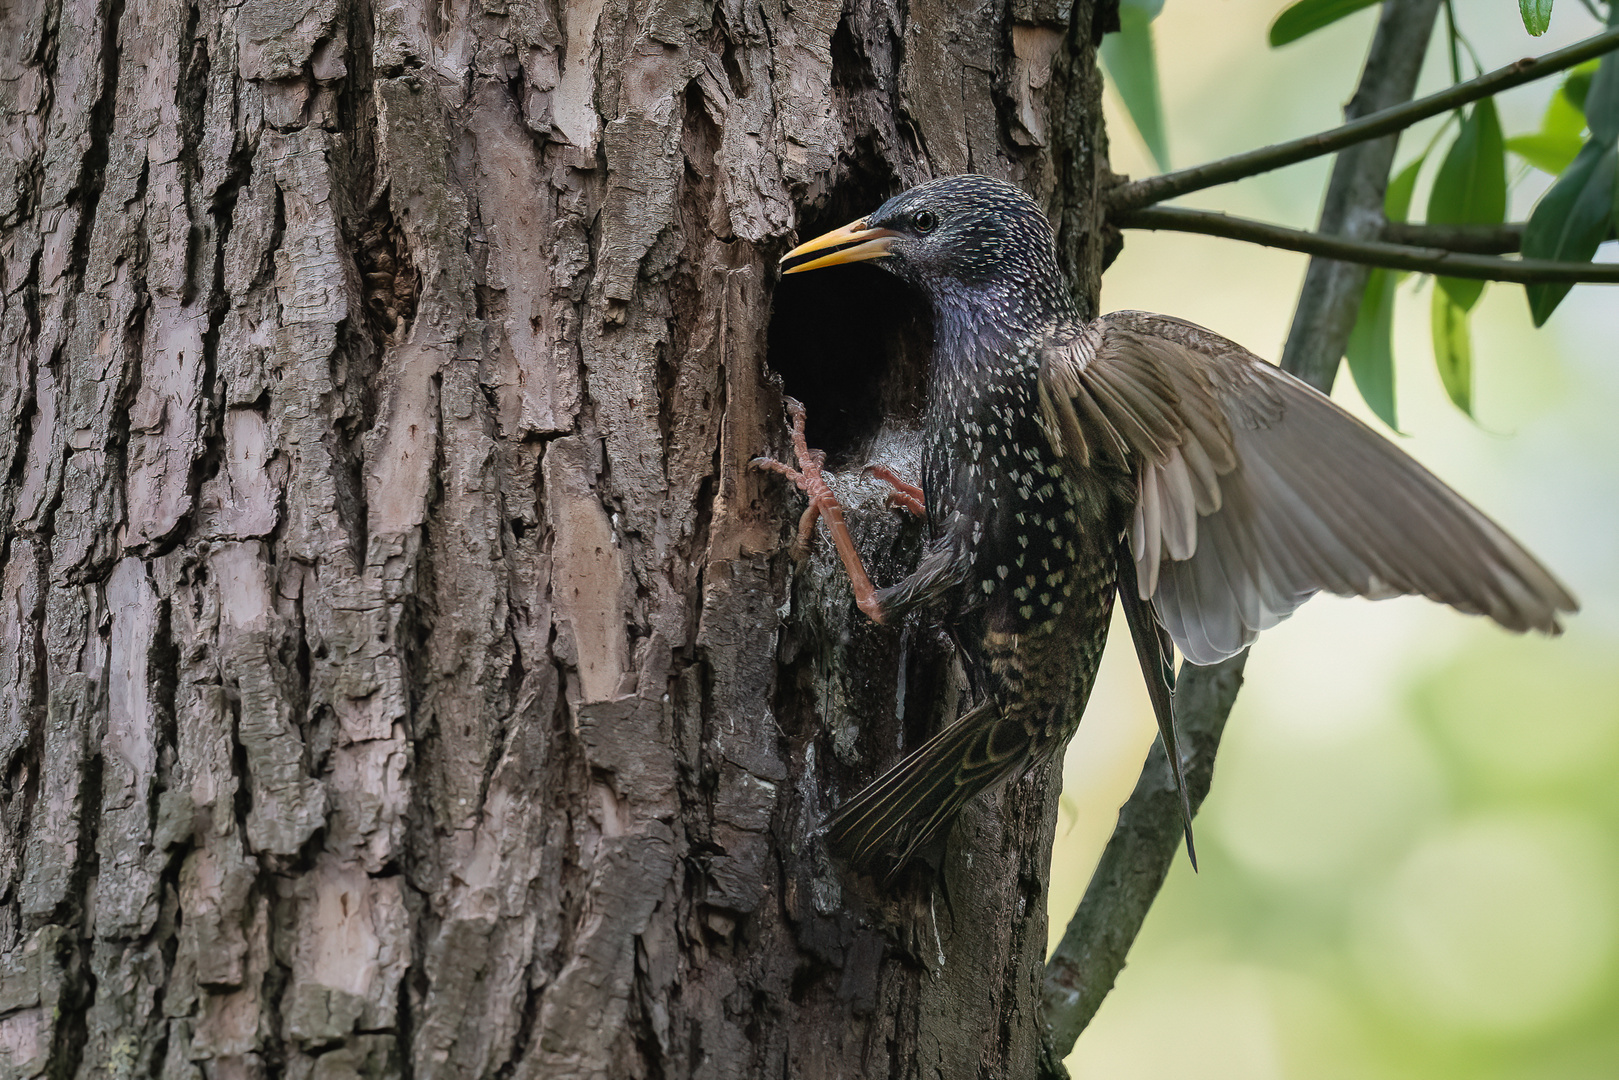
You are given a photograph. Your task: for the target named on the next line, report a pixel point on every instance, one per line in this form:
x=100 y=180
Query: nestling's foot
x=807 y=478
x=822 y=503
x=905 y=496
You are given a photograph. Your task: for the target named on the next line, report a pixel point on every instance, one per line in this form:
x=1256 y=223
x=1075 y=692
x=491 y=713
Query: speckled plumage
x=1137 y=455
x=1023 y=554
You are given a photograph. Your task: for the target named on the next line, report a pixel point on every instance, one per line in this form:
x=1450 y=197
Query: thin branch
x=1145 y=842
x=1477 y=239
x=1449 y=28
x=1504 y=239
x=1156 y=189
x=1426 y=260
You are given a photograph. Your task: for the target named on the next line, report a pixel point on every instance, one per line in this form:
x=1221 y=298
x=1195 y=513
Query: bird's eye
x=924 y=221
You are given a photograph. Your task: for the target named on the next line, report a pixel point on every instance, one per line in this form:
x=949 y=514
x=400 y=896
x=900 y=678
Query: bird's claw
x=905 y=496
x=807 y=478
x=822 y=502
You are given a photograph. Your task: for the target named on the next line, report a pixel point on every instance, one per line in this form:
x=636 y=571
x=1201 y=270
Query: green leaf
x=1548 y=153
x=1453 y=350
x=1602 y=100
x=1308 y=16
x=1397 y=199
x=1471 y=187
x=1370 y=350
x=1571 y=219
x=1552 y=148
x=1537 y=15
x=1132 y=64
x=1562 y=116
x=1578 y=83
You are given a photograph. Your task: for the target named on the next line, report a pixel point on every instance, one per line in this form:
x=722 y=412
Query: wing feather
x=1254 y=491
x=1149 y=526
x=1179 y=506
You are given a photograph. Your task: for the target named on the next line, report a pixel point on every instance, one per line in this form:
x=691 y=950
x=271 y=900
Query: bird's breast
x=1032 y=533
x=1035 y=541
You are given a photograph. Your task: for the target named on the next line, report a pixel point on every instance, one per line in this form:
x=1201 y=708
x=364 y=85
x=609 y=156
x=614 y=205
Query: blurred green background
x=1410 y=857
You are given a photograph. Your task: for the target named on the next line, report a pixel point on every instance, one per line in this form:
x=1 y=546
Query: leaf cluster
x=1577 y=144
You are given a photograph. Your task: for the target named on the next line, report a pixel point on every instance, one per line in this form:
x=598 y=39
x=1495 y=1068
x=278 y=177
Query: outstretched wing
x=1255 y=491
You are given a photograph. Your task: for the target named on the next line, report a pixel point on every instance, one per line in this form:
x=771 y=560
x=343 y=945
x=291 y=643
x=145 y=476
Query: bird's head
x=965 y=239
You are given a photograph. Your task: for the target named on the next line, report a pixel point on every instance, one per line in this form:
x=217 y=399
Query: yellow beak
x=854 y=243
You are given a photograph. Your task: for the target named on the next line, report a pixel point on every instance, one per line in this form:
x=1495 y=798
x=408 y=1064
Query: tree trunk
x=401 y=672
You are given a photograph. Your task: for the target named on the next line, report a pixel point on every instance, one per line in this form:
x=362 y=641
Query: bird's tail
x=897 y=813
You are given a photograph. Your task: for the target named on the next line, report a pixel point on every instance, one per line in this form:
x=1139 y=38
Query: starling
x=1135 y=455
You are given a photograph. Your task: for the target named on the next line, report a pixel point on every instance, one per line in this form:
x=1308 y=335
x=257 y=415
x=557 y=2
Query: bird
x=1068 y=462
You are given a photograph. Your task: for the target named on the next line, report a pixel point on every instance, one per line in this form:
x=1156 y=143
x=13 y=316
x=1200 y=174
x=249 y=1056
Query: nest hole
x=853 y=342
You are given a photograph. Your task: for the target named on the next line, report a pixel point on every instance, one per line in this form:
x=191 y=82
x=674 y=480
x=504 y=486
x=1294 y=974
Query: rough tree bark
x=401 y=673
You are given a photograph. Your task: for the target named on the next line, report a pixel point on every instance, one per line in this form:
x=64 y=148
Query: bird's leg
x=905 y=496
x=823 y=504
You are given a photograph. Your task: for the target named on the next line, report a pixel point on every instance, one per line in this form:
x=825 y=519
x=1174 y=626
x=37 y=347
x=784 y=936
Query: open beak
x=852 y=243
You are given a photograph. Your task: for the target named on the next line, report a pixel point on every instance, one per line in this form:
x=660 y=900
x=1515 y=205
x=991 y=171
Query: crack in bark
x=92 y=175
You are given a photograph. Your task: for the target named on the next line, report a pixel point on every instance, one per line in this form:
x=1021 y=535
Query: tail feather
x=1156 y=653
x=912 y=802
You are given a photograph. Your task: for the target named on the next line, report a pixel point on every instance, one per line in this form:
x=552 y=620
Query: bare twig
x=1477 y=239
x=1427 y=260
x=1156 y=189
x=1081 y=971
